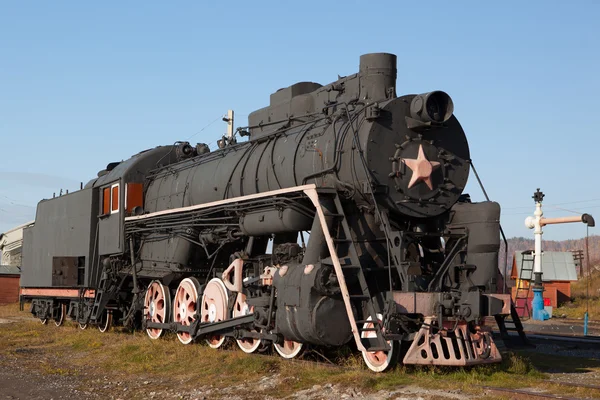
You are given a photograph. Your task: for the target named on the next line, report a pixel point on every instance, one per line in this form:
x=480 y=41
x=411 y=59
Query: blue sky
x=84 y=84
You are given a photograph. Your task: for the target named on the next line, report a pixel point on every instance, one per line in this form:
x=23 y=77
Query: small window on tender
x=105 y=201
x=114 y=206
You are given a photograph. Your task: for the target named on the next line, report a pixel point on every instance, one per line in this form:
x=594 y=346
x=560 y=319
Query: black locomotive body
x=341 y=219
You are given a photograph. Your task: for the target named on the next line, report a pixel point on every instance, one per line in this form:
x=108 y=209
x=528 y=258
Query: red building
x=9 y=284
x=558 y=271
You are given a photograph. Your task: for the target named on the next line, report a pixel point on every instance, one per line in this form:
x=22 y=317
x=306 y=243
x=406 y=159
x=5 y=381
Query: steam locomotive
x=341 y=219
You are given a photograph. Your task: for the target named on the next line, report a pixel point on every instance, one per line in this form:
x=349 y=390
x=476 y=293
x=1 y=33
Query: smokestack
x=377 y=76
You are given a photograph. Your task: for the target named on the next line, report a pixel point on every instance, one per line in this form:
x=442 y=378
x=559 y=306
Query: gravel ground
x=20 y=379
x=18 y=383
x=568 y=351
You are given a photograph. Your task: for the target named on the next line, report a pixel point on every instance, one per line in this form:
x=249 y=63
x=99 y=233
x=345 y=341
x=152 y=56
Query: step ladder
x=350 y=274
x=101 y=298
x=505 y=324
x=83 y=313
x=524 y=282
x=513 y=324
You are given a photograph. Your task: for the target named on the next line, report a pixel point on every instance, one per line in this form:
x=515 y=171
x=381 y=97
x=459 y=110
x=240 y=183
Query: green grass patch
x=125 y=355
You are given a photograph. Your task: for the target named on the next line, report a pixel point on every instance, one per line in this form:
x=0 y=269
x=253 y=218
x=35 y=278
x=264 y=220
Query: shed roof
x=556 y=266
x=9 y=270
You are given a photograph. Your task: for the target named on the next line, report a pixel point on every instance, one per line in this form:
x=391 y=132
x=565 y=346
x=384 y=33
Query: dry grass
x=11 y=310
x=580 y=288
x=577 y=308
x=68 y=350
x=580 y=301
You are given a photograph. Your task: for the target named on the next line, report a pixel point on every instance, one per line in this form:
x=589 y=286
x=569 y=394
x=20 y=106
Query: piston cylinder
x=309 y=306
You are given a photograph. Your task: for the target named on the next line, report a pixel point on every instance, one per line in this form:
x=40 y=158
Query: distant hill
x=521 y=243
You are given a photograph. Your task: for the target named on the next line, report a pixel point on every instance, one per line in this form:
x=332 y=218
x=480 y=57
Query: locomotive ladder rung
x=379 y=269
x=342 y=240
x=333 y=215
x=98 y=298
x=359 y=296
x=378 y=348
x=373 y=345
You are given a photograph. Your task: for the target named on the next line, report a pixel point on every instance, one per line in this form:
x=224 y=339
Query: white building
x=11 y=243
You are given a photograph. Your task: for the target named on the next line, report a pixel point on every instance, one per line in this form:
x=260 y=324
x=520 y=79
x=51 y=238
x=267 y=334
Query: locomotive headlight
x=434 y=106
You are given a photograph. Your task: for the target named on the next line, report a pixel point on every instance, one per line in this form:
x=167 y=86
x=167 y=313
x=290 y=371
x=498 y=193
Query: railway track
x=526 y=394
x=540 y=336
x=576 y=321
x=582 y=385
x=564 y=329
x=568 y=342
x=575 y=339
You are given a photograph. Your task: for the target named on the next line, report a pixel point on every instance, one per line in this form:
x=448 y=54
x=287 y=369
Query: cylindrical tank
x=307 y=311
x=274 y=221
x=482 y=220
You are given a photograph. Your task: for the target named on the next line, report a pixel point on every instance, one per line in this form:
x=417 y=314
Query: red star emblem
x=421 y=169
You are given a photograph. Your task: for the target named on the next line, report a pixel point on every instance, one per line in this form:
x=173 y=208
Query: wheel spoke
x=289 y=349
x=248 y=345
x=185 y=306
x=215 y=307
x=158 y=307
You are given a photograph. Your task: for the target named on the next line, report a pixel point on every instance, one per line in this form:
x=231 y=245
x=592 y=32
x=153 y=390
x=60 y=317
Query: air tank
x=482 y=221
